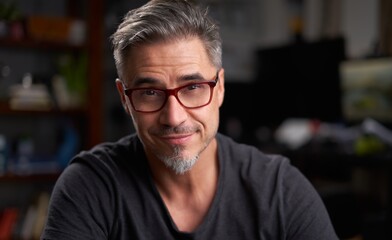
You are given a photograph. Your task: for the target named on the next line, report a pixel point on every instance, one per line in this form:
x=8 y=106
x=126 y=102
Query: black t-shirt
x=108 y=193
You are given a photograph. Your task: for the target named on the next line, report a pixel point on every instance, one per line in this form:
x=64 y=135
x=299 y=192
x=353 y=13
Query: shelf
x=29 y=177
x=92 y=14
x=55 y=134
x=6 y=110
x=30 y=44
x=88 y=117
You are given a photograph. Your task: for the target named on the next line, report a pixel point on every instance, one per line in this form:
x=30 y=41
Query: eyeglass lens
x=190 y=96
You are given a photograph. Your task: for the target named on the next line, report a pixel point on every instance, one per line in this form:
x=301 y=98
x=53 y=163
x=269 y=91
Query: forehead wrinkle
x=167 y=62
x=146 y=55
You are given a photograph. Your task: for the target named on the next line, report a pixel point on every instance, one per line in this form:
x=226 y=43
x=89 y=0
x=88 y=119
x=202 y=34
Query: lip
x=177 y=139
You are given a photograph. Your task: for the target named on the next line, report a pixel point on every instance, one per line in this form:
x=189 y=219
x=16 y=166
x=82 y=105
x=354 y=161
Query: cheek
x=209 y=116
x=142 y=122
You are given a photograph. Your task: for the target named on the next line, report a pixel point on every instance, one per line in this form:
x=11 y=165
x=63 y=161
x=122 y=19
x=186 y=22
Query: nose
x=173 y=113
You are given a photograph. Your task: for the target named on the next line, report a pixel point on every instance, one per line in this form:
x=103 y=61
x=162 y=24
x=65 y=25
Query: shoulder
x=106 y=161
x=111 y=154
x=93 y=180
x=247 y=155
x=124 y=146
x=261 y=171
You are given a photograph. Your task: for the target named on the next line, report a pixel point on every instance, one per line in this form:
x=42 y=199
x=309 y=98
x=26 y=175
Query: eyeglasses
x=190 y=96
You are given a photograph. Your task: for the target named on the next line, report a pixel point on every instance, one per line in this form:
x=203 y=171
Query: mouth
x=177 y=139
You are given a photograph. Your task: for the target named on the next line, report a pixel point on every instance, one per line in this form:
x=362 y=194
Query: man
x=177 y=178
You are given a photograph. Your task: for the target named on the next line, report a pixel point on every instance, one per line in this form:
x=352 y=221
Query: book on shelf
x=42 y=209
x=8 y=220
x=28 y=223
x=34 y=219
x=25 y=222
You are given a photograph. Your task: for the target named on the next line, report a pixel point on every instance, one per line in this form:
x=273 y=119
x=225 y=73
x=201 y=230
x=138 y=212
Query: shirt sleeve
x=307 y=217
x=80 y=205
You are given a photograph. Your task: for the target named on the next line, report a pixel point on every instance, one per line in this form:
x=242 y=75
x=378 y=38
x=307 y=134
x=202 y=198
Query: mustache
x=164 y=131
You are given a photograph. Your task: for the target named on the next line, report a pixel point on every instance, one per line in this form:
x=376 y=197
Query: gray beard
x=177 y=164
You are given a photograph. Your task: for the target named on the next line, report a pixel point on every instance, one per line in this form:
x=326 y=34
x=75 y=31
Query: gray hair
x=165 y=20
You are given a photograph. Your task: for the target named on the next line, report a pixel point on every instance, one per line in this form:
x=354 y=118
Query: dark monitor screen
x=299 y=81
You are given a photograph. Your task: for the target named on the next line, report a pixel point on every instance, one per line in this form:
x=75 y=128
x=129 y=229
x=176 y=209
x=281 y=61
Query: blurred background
x=310 y=79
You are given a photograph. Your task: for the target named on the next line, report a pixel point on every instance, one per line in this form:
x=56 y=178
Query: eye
x=149 y=92
x=195 y=86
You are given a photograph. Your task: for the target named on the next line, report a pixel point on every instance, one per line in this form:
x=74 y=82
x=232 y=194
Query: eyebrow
x=144 y=80
x=194 y=76
x=149 y=80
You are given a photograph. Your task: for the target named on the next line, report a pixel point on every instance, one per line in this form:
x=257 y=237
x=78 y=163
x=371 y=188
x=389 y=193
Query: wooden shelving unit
x=92 y=111
x=19 y=191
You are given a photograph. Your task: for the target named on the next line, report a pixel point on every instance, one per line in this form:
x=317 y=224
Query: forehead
x=168 y=56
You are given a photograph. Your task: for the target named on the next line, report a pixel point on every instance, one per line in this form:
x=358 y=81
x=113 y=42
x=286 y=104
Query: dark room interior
x=320 y=101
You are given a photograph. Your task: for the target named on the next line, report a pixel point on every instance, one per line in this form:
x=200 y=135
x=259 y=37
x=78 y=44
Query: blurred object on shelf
x=296 y=18
x=368 y=137
x=9 y=11
x=70 y=86
x=3 y=29
x=367 y=89
x=29 y=96
x=3 y=155
x=77 y=33
x=370 y=126
x=41 y=206
x=69 y=146
x=16 y=30
x=5 y=72
x=23 y=156
x=294 y=132
x=8 y=219
x=56 y=29
x=368 y=144
x=61 y=93
x=11 y=21
x=25 y=150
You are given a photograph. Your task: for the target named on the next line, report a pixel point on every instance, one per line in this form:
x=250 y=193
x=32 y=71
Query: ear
x=120 y=89
x=221 y=86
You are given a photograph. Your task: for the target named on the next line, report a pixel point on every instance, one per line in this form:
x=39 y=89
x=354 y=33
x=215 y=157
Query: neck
x=188 y=196
x=204 y=174
x=195 y=180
